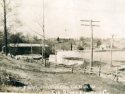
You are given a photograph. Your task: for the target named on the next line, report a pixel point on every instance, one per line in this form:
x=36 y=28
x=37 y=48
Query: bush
x=80 y=48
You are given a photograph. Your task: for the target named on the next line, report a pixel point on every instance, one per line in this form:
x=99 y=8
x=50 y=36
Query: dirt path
x=54 y=79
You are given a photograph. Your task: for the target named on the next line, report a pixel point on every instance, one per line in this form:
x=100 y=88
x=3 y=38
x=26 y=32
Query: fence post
x=117 y=74
x=84 y=70
x=72 y=68
x=99 y=70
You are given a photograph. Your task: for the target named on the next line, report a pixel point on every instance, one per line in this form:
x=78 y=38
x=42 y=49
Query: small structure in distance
x=26 y=50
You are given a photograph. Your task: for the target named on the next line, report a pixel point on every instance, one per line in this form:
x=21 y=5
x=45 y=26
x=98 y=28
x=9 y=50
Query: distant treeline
x=53 y=43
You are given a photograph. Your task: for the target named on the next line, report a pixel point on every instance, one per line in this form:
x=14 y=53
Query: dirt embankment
x=36 y=78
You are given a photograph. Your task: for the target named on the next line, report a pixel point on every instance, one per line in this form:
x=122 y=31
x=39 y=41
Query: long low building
x=25 y=48
x=26 y=45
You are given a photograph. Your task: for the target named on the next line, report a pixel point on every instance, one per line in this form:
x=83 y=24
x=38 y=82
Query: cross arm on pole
x=95 y=21
x=96 y=25
x=84 y=25
x=85 y=20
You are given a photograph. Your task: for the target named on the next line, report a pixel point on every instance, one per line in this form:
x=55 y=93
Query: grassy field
x=53 y=79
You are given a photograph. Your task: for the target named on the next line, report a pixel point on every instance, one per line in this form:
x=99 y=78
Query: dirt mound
x=9 y=79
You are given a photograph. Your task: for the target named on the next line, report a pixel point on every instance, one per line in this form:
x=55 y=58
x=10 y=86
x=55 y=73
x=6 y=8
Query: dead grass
x=45 y=80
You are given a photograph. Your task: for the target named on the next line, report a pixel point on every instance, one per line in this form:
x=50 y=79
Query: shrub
x=80 y=48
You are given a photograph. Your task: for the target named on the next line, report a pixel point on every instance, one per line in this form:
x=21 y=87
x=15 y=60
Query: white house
x=104 y=47
x=67 y=58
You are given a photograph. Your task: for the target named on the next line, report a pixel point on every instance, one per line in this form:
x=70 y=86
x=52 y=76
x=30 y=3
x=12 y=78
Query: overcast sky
x=62 y=17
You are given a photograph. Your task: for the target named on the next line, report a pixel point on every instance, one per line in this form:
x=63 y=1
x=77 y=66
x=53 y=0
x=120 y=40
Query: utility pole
x=90 y=23
x=5 y=28
x=111 y=46
x=71 y=46
x=44 y=48
x=55 y=53
x=31 y=51
x=70 y=40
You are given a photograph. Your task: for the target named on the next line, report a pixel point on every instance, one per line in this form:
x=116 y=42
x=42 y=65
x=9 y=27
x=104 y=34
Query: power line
x=90 y=23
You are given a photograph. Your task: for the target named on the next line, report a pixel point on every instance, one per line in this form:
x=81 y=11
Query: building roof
x=26 y=45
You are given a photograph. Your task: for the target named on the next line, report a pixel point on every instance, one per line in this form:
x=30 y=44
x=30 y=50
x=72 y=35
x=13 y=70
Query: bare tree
x=5 y=26
x=7 y=12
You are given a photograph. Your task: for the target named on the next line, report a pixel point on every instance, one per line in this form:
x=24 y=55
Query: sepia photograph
x=62 y=46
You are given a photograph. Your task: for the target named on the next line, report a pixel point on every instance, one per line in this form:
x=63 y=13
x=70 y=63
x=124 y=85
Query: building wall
x=60 y=58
